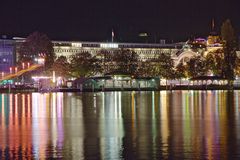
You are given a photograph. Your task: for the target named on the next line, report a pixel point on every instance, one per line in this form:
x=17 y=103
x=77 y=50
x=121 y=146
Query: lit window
x=77 y=44
x=109 y=45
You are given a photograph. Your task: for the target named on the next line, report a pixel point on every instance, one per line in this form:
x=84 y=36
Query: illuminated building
x=214 y=39
x=9 y=49
x=144 y=50
x=7 y=54
x=180 y=52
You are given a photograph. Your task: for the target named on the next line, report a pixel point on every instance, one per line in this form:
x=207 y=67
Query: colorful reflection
x=120 y=125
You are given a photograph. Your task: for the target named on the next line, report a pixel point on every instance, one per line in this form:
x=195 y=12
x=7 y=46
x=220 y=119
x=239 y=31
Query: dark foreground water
x=120 y=125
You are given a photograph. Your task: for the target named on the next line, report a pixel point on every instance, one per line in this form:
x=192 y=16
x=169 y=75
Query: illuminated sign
x=10 y=81
x=109 y=45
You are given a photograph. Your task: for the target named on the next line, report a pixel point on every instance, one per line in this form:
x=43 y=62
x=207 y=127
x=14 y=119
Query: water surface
x=120 y=125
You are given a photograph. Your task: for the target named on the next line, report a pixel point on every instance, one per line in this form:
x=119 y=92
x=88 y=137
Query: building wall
x=145 y=51
x=7 y=54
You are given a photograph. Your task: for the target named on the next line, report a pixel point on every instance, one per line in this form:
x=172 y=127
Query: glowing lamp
x=10 y=69
x=23 y=65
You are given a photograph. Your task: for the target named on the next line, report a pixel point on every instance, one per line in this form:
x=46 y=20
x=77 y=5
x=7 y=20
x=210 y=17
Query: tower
x=213 y=38
x=213 y=25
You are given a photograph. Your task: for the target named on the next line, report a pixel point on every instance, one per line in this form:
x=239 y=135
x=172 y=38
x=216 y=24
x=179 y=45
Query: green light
x=10 y=81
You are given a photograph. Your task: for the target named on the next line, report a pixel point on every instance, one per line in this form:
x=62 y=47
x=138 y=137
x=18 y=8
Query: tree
x=82 y=64
x=126 y=61
x=61 y=66
x=104 y=61
x=163 y=66
x=145 y=69
x=180 y=71
x=215 y=61
x=229 y=48
x=196 y=66
x=237 y=69
x=37 y=45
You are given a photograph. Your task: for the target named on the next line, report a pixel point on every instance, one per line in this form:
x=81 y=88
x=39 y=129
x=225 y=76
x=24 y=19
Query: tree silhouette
x=196 y=66
x=126 y=61
x=215 y=61
x=229 y=48
x=61 y=66
x=163 y=66
x=104 y=61
x=82 y=64
x=37 y=45
x=180 y=71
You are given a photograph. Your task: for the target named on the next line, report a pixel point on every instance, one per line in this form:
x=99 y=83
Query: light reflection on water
x=120 y=125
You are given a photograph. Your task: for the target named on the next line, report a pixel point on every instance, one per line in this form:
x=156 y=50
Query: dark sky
x=93 y=20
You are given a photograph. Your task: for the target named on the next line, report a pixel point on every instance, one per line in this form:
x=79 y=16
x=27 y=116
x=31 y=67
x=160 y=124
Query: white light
x=40 y=77
x=54 y=77
x=40 y=60
x=109 y=45
x=76 y=44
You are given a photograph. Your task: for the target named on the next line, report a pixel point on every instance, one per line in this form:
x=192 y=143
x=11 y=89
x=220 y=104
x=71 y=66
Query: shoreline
x=161 y=88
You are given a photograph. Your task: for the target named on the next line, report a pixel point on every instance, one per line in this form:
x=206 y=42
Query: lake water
x=120 y=125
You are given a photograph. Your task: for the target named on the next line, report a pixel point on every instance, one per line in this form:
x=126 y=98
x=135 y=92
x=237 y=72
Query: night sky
x=93 y=20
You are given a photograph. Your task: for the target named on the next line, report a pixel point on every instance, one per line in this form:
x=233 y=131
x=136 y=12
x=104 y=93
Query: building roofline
x=119 y=43
x=98 y=44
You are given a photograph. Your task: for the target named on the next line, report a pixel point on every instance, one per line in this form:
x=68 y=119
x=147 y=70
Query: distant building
x=144 y=50
x=214 y=40
x=7 y=54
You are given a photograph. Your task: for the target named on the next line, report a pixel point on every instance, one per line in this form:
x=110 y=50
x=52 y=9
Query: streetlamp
x=16 y=69
x=10 y=70
x=23 y=65
x=54 y=77
x=28 y=64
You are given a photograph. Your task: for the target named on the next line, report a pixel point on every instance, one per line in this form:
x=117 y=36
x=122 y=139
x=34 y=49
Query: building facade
x=144 y=50
x=7 y=54
x=9 y=49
